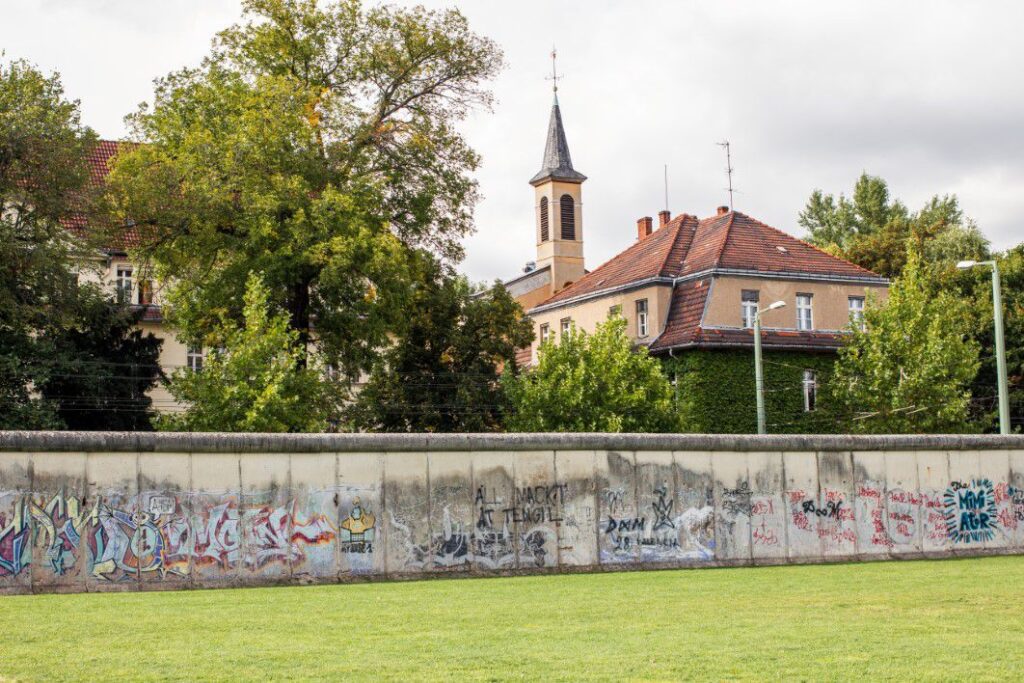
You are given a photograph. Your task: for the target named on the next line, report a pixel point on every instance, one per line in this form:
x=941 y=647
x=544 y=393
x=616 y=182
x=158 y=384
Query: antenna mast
x=728 y=167
x=666 y=187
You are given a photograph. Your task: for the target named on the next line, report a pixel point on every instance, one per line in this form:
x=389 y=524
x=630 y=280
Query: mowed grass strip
x=951 y=619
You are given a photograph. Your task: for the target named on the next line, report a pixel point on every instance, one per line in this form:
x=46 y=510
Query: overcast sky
x=926 y=94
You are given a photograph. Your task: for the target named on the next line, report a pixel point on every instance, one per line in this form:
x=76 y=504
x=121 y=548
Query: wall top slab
x=318 y=443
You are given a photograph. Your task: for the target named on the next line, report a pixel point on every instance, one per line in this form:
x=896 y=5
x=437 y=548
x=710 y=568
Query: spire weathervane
x=554 y=77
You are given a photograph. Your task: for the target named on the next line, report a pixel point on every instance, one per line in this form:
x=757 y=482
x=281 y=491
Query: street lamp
x=997 y=303
x=758 y=370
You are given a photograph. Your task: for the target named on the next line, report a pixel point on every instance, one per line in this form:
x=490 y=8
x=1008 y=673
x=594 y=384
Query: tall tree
x=252 y=381
x=592 y=383
x=69 y=356
x=909 y=369
x=442 y=373
x=874 y=230
x=317 y=146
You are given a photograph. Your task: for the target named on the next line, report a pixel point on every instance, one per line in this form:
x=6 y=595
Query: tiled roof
x=650 y=257
x=686 y=246
x=99 y=167
x=684 y=314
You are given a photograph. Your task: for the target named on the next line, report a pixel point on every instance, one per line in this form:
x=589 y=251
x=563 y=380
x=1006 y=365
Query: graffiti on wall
x=661 y=535
x=971 y=515
x=155 y=537
x=358 y=530
x=111 y=539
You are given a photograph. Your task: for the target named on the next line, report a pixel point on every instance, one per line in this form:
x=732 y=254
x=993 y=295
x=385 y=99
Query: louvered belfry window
x=568 y=217
x=544 y=219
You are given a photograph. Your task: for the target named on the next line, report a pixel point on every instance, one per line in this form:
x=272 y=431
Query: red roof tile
x=687 y=246
x=650 y=257
x=684 y=314
x=99 y=168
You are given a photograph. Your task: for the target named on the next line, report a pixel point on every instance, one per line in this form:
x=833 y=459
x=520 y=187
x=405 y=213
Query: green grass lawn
x=952 y=619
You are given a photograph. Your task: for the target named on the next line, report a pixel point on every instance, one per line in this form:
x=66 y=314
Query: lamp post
x=997 y=303
x=758 y=369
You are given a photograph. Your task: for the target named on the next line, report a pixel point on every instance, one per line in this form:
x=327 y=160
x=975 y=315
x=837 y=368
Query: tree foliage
x=317 y=146
x=105 y=369
x=442 y=373
x=252 y=382
x=875 y=231
x=59 y=337
x=909 y=369
x=592 y=383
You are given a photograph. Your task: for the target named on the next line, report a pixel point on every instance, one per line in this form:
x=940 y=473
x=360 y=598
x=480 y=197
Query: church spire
x=557 y=164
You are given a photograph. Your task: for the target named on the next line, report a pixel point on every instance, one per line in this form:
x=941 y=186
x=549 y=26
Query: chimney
x=722 y=210
x=663 y=218
x=643 y=227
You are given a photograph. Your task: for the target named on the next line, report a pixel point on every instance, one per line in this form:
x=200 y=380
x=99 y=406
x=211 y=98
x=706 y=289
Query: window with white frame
x=123 y=284
x=810 y=390
x=545 y=332
x=804 y=315
x=641 y=318
x=194 y=358
x=615 y=311
x=748 y=306
x=856 y=304
x=566 y=324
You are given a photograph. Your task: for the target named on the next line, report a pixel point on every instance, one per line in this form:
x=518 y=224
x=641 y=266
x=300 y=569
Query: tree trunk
x=298 y=308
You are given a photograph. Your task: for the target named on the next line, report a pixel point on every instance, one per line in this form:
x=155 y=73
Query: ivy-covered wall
x=715 y=391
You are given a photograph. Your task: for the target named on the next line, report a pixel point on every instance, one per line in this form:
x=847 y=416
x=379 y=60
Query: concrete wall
x=103 y=512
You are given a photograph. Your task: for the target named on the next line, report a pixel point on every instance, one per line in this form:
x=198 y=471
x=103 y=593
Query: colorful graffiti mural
x=607 y=509
x=971 y=515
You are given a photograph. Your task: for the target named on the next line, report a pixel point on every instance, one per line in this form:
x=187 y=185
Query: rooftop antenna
x=554 y=77
x=728 y=167
x=666 y=187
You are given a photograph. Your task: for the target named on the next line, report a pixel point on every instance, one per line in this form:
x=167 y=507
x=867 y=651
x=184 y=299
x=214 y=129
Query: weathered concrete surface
x=151 y=512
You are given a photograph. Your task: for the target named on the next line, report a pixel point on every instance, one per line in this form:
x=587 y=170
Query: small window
x=146 y=292
x=615 y=311
x=545 y=234
x=545 y=332
x=194 y=358
x=748 y=306
x=568 y=207
x=566 y=325
x=641 y=318
x=810 y=390
x=856 y=304
x=804 y=316
x=124 y=285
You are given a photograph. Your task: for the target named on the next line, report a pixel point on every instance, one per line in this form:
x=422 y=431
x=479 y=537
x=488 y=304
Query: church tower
x=559 y=207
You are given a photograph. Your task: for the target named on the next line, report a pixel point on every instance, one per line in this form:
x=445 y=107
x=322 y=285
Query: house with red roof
x=688 y=288
x=130 y=281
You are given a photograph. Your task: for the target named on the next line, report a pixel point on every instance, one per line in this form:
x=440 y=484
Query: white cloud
x=809 y=93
